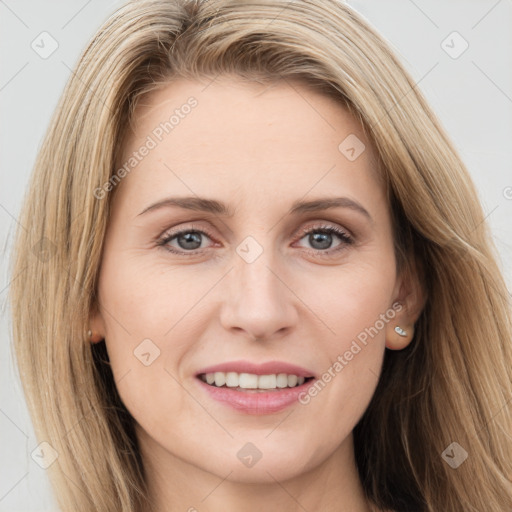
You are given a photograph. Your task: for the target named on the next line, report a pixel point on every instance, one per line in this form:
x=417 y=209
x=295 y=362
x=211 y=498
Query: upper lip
x=267 y=368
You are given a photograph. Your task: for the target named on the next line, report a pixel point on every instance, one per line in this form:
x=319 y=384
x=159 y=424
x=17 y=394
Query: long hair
x=452 y=384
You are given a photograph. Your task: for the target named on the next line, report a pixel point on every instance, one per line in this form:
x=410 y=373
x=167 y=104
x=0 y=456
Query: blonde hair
x=451 y=384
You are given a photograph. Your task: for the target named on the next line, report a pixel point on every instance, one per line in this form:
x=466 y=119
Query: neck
x=175 y=484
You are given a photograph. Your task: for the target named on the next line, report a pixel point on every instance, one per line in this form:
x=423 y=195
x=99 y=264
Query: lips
x=253 y=388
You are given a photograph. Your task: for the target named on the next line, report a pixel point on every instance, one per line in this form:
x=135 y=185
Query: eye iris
x=191 y=240
x=325 y=240
x=190 y=237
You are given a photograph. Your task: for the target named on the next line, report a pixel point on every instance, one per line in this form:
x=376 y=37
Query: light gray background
x=472 y=95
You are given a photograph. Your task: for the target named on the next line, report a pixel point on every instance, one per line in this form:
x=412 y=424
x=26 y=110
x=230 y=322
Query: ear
x=409 y=300
x=96 y=325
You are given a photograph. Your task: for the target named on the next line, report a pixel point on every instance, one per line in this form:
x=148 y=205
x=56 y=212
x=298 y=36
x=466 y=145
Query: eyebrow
x=217 y=207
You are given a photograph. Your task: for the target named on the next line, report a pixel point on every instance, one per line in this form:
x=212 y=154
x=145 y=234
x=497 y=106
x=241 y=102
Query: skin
x=258 y=149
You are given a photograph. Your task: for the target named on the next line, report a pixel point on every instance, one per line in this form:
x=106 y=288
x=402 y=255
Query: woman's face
x=222 y=256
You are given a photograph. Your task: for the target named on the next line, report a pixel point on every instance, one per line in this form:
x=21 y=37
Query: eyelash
x=329 y=229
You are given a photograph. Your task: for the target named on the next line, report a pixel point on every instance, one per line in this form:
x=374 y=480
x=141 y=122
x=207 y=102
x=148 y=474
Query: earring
x=94 y=337
x=400 y=331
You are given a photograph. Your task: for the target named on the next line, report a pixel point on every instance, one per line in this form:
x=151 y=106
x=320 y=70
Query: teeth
x=220 y=378
x=292 y=380
x=232 y=380
x=267 y=381
x=252 y=381
x=248 y=381
x=282 y=380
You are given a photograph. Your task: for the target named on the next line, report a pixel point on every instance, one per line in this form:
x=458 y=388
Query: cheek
x=355 y=306
x=151 y=316
x=147 y=300
x=352 y=298
x=364 y=295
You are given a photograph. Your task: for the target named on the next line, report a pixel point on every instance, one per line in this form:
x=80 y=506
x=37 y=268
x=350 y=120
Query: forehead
x=229 y=135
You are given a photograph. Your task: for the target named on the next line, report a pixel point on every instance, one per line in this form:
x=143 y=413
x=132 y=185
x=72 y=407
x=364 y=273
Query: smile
x=252 y=381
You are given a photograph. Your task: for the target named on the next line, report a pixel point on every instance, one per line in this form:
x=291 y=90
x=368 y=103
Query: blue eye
x=321 y=238
x=190 y=239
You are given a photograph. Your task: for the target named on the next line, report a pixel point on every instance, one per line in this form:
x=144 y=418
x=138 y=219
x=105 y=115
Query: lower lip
x=256 y=402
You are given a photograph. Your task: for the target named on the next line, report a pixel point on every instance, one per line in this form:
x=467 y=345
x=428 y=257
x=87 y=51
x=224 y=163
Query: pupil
x=192 y=237
x=325 y=240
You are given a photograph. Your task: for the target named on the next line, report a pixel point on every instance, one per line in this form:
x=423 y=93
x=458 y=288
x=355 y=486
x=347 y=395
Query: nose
x=258 y=300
